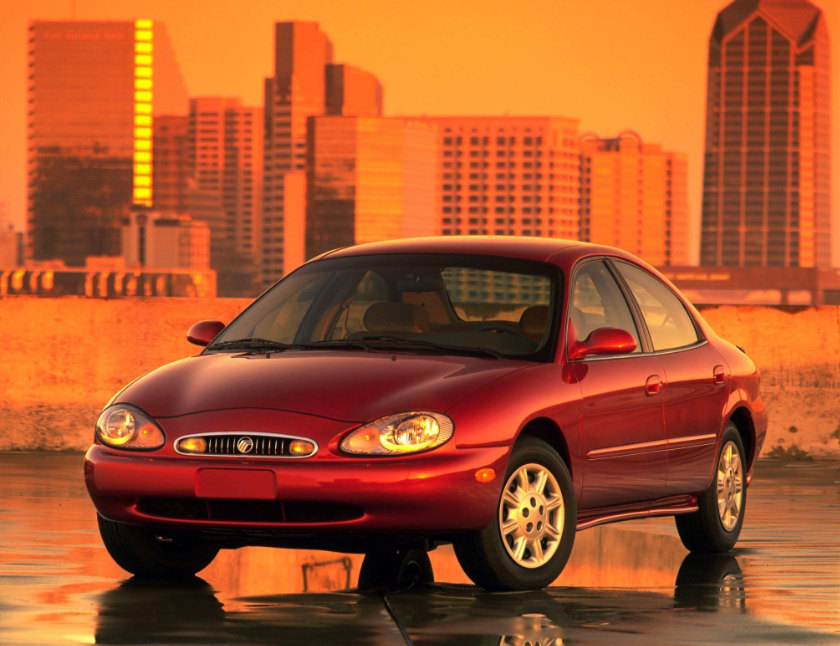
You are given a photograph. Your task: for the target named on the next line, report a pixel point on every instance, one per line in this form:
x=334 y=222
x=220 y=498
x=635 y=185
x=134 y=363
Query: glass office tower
x=94 y=90
x=369 y=179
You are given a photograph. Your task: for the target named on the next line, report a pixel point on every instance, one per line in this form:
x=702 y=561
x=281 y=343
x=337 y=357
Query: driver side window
x=597 y=302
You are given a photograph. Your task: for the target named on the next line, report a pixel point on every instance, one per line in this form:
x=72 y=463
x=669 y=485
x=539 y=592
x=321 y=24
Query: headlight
x=399 y=434
x=123 y=426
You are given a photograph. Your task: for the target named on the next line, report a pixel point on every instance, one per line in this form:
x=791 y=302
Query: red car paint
x=639 y=433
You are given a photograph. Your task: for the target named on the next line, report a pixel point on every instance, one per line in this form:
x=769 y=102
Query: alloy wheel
x=531 y=515
x=730 y=486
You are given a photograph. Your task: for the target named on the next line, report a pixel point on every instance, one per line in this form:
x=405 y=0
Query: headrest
x=534 y=320
x=397 y=317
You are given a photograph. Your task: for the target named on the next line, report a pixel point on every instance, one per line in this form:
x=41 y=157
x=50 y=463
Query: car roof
x=544 y=249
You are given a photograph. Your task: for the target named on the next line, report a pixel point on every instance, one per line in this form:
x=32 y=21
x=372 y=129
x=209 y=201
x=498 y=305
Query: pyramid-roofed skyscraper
x=766 y=190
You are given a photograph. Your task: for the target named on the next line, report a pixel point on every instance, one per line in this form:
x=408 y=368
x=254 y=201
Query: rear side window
x=668 y=322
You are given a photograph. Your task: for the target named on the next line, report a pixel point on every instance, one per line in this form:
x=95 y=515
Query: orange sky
x=613 y=64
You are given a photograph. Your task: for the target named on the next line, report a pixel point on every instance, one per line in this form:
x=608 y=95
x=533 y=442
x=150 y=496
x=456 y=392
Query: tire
x=138 y=551
x=396 y=570
x=529 y=541
x=716 y=525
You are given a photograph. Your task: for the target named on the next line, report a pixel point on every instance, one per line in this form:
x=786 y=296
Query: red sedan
x=496 y=393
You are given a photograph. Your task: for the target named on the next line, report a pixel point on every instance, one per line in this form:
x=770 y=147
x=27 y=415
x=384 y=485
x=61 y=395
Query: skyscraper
x=352 y=91
x=766 y=189
x=508 y=176
x=634 y=196
x=295 y=92
x=170 y=170
x=94 y=89
x=306 y=83
x=226 y=159
x=369 y=179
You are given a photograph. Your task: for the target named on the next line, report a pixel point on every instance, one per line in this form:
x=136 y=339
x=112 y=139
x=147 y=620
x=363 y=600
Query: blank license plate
x=252 y=484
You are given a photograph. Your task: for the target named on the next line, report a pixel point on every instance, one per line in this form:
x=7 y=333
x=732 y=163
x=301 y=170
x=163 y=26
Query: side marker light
x=485 y=475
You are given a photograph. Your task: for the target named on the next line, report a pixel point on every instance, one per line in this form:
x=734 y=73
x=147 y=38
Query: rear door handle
x=653 y=385
x=719 y=375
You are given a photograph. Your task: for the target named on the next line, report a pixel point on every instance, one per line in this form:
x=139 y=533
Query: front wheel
x=716 y=525
x=531 y=536
x=139 y=551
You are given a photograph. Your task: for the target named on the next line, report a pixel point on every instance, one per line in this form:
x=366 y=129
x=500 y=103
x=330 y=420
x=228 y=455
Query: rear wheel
x=716 y=525
x=531 y=537
x=145 y=554
x=396 y=569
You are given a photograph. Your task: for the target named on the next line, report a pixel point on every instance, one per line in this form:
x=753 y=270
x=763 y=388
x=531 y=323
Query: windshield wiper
x=336 y=344
x=369 y=342
x=422 y=344
x=252 y=344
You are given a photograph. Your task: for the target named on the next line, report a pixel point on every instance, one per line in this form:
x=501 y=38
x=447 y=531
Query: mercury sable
x=494 y=393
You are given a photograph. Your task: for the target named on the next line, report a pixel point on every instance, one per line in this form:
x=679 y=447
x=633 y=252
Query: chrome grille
x=227 y=445
x=249 y=445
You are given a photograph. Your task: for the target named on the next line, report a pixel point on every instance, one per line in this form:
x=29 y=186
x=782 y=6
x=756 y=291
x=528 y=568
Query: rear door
x=696 y=380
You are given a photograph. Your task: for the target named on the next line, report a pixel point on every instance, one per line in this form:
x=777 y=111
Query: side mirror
x=204 y=331
x=604 y=340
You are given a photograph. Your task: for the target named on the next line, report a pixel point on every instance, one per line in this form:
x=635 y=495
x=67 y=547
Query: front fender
x=496 y=414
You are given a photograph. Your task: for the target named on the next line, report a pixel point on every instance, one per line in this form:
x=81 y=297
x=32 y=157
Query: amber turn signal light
x=193 y=445
x=301 y=447
x=485 y=475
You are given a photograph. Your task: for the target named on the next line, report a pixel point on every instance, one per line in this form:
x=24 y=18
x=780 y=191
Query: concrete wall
x=61 y=359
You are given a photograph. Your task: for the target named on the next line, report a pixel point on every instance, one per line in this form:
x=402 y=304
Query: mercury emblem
x=244 y=444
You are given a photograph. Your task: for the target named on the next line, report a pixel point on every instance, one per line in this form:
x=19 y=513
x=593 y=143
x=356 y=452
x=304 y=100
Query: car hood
x=351 y=386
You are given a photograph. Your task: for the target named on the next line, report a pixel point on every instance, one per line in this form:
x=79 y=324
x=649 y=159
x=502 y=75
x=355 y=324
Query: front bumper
x=423 y=495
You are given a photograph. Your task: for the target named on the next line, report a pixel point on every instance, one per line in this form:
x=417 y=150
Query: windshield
x=418 y=303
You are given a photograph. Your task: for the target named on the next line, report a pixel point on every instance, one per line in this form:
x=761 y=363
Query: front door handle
x=653 y=385
x=719 y=375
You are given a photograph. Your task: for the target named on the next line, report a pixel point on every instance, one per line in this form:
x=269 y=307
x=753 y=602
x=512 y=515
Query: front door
x=622 y=428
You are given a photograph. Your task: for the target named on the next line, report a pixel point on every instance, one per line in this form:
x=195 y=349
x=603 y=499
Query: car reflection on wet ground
x=631 y=583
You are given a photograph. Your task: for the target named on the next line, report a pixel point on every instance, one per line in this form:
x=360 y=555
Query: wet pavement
x=630 y=583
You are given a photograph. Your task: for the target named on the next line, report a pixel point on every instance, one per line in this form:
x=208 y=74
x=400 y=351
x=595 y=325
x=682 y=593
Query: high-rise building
x=369 y=179
x=226 y=161
x=305 y=84
x=170 y=170
x=766 y=192
x=633 y=195
x=508 y=176
x=352 y=91
x=296 y=92
x=94 y=90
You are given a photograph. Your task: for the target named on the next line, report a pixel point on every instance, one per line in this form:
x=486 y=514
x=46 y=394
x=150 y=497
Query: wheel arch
x=547 y=430
x=742 y=418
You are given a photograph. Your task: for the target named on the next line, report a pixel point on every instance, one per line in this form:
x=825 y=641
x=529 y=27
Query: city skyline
x=627 y=80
